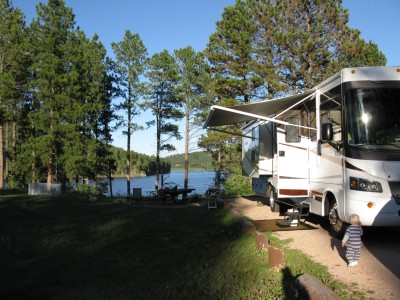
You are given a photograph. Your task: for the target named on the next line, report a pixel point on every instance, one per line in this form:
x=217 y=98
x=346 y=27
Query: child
x=352 y=240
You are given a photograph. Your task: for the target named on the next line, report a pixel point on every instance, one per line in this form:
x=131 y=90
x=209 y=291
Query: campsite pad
x=271 y=225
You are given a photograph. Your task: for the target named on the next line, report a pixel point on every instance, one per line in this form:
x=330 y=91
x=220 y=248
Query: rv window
x=293 y=132
x=254 y=156
x=330 y=109
x=312 y=123
x=372 y=118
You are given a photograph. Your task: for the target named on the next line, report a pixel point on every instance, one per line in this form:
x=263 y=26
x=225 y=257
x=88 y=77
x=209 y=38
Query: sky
x=174 y=24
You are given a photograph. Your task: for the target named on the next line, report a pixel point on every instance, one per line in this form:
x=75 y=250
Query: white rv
x=334 y=149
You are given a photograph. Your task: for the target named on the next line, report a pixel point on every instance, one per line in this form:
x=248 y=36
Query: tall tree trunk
x=33 y=166
x=110 y=177
x=219 y=169
x=1 y=130
x=6 y=160
x=50 y=161
x=128 y=146
x=158 y=169
x=50 y=168
x=50 y=171
x=128 y=154
x=186 y=175
x=1 y=159
x=14 y=145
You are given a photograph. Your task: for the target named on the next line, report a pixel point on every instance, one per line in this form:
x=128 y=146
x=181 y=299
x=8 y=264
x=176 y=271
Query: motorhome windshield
x=373 y=119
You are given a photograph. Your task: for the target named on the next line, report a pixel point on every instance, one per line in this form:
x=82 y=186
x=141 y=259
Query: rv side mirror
x=327 y=132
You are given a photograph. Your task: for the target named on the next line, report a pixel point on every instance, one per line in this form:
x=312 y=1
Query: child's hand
x=343 y=244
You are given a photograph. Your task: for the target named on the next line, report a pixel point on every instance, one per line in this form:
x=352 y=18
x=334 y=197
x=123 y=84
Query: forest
x=199 y=160
x=142 y=164
x=62 y=96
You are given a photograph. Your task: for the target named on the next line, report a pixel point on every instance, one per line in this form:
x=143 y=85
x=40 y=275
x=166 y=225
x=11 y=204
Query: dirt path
x=378 y=272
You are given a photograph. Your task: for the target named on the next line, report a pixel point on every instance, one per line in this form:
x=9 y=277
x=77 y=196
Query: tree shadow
x=290 y=288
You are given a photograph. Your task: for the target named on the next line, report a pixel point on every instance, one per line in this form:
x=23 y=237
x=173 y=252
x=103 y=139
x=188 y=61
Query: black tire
x=275 y=207
x=337 y=226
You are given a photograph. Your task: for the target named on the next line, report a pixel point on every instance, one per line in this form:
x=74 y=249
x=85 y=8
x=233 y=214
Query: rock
x=261 y=241
x=226 y=205
x=248 y=227
x=276 y=258
x=315 y=289
x=236 y=214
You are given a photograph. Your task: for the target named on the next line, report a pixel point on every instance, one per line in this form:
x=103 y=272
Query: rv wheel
x=337 y=226
x=272 y=200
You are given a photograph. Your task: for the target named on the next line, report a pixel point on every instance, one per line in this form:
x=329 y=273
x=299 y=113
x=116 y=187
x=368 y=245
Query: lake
x=199 y=180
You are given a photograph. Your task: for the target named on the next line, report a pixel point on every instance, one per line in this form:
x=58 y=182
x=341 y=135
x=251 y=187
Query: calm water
x=200 y=180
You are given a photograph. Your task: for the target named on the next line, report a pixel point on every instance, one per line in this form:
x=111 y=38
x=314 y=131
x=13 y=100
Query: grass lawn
x=66 y=247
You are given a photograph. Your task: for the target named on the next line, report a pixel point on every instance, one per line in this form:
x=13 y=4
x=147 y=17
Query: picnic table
x=175 y=192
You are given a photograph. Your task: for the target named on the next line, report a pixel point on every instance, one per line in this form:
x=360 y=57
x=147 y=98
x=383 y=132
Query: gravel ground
x=378 y=272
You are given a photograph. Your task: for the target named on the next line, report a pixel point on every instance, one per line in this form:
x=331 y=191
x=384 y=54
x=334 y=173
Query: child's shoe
x=352 y=264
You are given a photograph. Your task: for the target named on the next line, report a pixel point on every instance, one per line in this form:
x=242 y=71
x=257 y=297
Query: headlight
x=364 y=185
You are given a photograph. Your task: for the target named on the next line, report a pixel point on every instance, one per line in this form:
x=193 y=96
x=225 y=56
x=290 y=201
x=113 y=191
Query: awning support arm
x=297 y=103
x=233 y=133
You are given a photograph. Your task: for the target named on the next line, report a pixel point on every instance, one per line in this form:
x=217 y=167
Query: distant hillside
x=141 y=164
x=197 y=161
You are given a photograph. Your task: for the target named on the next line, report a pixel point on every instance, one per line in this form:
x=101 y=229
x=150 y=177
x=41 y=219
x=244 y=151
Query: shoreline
x=143 y=176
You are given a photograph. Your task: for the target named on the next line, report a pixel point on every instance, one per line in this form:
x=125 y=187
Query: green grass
x=69 y=248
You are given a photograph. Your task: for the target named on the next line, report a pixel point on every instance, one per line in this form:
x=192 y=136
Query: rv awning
x=220 y=115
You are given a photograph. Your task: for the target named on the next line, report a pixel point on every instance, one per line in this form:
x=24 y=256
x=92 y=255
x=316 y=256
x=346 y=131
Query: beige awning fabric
x=220 y=115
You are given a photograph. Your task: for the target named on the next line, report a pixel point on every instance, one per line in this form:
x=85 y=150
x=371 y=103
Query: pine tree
x=163 y=103
x=13 y=78
x=192 y=90
x=310 y=41
x=231 y=54
x=131 y=56
x=267 y=52
x=362 y=54
x=225 y=151
x=51 y=34
x=309 y=33
x=76 y=137
x=88 y=133
x=105 y=118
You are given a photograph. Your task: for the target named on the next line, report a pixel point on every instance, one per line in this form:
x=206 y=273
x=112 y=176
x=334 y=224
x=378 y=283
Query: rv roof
x=247 y=112
x=380 y=73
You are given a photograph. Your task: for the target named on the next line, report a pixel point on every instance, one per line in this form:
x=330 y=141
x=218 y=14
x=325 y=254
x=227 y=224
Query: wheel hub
x=333 y=217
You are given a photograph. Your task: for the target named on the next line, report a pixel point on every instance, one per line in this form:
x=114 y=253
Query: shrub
x=83 y=188
x=237 y=184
